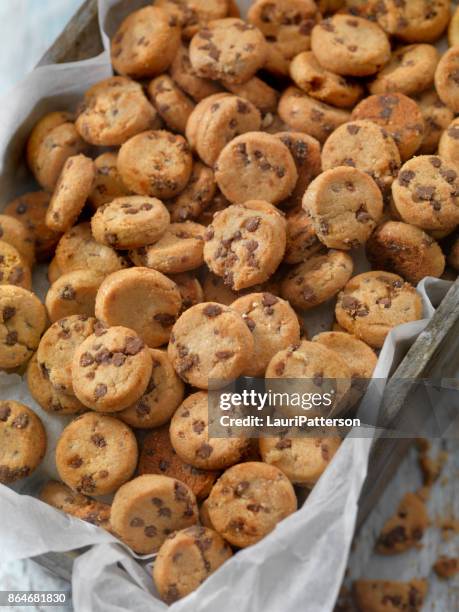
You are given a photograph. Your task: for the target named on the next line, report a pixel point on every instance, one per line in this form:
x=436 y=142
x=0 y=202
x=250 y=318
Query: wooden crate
x=81 y=40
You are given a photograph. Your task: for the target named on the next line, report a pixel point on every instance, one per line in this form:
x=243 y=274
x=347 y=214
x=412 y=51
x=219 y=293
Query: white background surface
x=27 y=28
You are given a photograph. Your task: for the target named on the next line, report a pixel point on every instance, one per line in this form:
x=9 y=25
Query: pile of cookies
x=191 y=211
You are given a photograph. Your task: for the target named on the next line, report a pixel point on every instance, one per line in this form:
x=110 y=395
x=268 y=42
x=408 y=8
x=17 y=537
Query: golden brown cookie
x=107 y=183
x=437 y=117
x=372 y=303
x=159 y=457
x=14 y=269
x=155 y=163
x=189 y=435
x=96 y=454
x=22 y=441
x=399 y=115
x=302 y=240
x=413 y=21
x=145 y=43
x=183 y=74
x=274 y=326
x=256 y=91
x=228 y=49
x=256 y=165
x=305 y=114
x=31 y=209
x=196 y=197
x=190 y=289
x=130 y=222
x=359 y=357
x=141 y=299
x=22 y=322
x=245 y=243
x=73 y=293
x=179 y=249
x=18 y=235
x=448 y=146
x=248 y=501
x=172 y=104
x=202 y=362
x=149 y=508
x=317 y=279
x=112 y=111
x=405 y=250
x=186 y=559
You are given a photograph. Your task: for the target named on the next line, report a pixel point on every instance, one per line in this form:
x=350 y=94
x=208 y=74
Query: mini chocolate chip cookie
x=413 y=21
x=13 y=267
x=317 y=279
x=196 y=197
x=148 y=509
x=359 y=357
x=96 y=454
x=374 y=595
x=19 y=236
x=222 y=121
x=111 y=369
x=46 y=396
x=30 y=209
x=141 y=299
x=22 y=441
x=305 y=151
x=245 y=243
x=155 y=163
x=405 y=250
x=22 y=322
x=190 y=289
x=373 y=303
x=286 y=25
x=228 y=49
x=199 y=359
x=257 y=92
x=302 y=459
x=350 y=45
x=410 y=71
x=162 y=396
x=302 y=113
x=107 y=184
x=183 y=74
x=248 y=501
x=302 y=240
x=448 y=146
x=274 y=326
x=195 y=119
x=179 y=249
x=52 y=141
x=73 y=293
x=437 y=117
x=189 y=435
x=366 y=146
x=57 y=348
x=345 y=205
x=447 y=80
x=256 y=165
x=77 y=250
x=130 y=222
x=399 y=115
x=72 y=190
x=405 y=529
x=426 y=193
x=172 y=104
x=326 y=86
x=113 y=111
x=145 y=43
x=186 y=559
x=159 y=457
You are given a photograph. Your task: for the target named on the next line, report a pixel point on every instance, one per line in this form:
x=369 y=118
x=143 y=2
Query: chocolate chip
x=241 y=488
x=68 y=293
x=254 y=507
x=164 y=465
x=224 y=355
x=252 y=224
x=180 y=492
x=279 y=368
x=150 y=531
x=384 y=301
x=21 y=421
x=8 y=313
x=5 y=412
x=86 y=360
x=133 y=345
x=362 y=215
x=283 y=444
x=204 y=451
x=98 y=440
x=75 y=462
x=212 y=310
x=405 y=177
x=118 y=359
x=199 y=426
x=11 y=338
x=100 y=390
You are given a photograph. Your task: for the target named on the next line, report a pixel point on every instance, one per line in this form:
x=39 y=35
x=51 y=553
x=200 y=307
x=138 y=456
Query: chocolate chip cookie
x=107 y=184
x=172 y=104
x=414 y=21
x=437 y=117
x=13 y=267
x=196 y=197
x=359 y=357
x=302 y=240
x=19 y=236
x=73 y=293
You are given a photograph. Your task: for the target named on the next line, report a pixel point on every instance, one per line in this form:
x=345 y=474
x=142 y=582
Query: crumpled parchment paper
x=301 y=564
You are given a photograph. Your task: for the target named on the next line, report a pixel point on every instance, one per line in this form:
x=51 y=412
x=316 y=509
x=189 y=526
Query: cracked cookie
x=111 y=369
x=149 y=508
x=155 y=163
x=22 y=322
x=186 y=559
x=248 y=501
x=189 y=434
x=96 y=454
x=210 y=343
x=372 y=303
x=245 y=243
x=22 y=441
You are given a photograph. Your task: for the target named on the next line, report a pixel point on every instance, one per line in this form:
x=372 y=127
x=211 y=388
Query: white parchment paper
x=301 y=564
